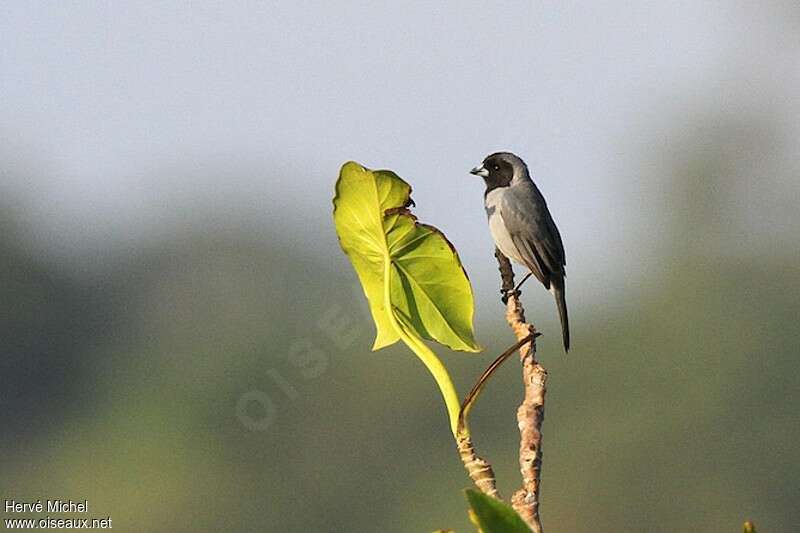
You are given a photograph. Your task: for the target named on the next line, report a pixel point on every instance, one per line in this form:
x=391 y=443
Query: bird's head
x=501 y=169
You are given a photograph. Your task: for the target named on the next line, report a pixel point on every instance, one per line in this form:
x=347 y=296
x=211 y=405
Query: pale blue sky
x=120 y=121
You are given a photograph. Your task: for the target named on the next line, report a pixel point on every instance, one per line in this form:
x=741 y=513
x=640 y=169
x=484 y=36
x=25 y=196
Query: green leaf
x=494 y=516
x=409 y=271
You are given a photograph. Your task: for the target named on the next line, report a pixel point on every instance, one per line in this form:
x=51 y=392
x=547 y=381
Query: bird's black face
x=496 y=171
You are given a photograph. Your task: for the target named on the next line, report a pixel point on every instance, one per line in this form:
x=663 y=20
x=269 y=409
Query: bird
x=522 y=227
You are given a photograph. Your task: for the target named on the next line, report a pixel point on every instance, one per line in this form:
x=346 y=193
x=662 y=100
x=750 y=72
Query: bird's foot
x=508 y=294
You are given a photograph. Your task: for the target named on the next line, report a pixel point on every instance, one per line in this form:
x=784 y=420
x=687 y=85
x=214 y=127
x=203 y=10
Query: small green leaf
x=495 y=516
x=428 y=290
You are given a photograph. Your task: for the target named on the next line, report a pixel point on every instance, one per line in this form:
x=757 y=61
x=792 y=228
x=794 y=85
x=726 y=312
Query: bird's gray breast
x=495 y=202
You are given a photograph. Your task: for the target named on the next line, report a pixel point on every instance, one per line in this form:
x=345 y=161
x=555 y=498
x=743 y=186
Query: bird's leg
x=519 y=285
x=515 y=291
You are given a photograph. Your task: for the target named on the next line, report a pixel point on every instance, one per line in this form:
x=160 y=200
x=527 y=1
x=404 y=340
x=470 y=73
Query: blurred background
x=185 y=346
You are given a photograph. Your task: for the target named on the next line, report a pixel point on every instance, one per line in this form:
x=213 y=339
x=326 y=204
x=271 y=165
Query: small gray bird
x=522 y=227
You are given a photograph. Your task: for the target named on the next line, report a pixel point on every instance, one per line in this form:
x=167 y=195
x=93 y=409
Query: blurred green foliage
x=123 y=384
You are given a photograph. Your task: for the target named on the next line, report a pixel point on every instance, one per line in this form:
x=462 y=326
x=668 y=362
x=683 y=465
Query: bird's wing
x=534 y=233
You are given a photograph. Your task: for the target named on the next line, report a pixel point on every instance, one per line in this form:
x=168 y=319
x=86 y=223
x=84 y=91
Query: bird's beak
x=480 y=171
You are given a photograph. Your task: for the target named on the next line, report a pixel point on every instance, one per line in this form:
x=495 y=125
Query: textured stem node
x=479 y=470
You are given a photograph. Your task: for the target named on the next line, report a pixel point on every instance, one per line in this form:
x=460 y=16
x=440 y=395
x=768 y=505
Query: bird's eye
x=496 y=167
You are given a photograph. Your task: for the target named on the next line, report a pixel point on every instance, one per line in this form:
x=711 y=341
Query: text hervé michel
x=51 y=506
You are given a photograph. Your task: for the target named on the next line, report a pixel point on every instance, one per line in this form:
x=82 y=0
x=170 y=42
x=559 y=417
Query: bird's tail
x=557 y=288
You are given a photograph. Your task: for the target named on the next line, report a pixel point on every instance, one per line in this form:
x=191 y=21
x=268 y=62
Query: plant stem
x=425 y=354
x=530 y=414
x=480 y=471
x=440 y=375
